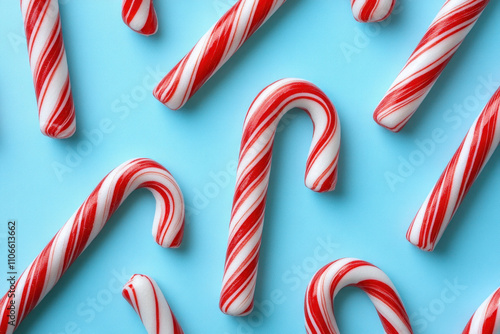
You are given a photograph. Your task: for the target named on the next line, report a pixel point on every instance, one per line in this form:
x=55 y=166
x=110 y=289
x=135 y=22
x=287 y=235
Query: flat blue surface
x=365 y=217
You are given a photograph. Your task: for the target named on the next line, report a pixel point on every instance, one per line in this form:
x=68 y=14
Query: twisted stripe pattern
x=441 y=204
x=253 y=171
x=372 y=10
x=213 y=50
x=448 y=30
x=144 y=295
x=486 y=320
x=140 y=16
x=329 y=280
x=86 y=223
x=49 y=67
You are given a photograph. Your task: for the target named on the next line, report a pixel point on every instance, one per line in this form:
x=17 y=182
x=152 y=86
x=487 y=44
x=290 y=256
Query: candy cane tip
x=414 y=239
x=147 y=299
x=367 y=11
x=147 y=31
x=160 y=90
x=386 y=123
x=236 y=311
x=57 y=132
x=140 y=16
x=176 y=242
x=325 y=187
x=426 y=248
x=372 y=19
x=131 y=279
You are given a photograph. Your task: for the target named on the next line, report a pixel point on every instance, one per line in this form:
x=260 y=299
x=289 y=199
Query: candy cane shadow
x=246 y=51
x=444 y=85
x=95 y=254
x=464 y=215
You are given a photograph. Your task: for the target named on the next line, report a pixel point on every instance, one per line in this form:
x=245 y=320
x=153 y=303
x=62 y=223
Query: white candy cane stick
x=86 y=223
x=332 y=278
x=486 y=320
x=47 y=55
x=225 y=38
x=140 y=16
x=252 y=179
x=469 y=160
x=439 y=44
x=148 y=301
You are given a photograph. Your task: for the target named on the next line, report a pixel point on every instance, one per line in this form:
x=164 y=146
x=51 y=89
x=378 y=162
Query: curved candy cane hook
x=330 y=279
x=140 y=16
x=49 y=67
x=225 y=38
x=486 y=320
x=79 y=231
x=254 y=167
x=467 y=163
x=148 y=301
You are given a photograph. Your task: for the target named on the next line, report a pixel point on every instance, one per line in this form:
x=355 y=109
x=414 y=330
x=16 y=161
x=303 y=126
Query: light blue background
x=363 y=217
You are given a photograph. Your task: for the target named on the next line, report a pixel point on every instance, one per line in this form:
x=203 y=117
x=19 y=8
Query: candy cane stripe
x=79 y=231
x=140 y=16
x=144 y=295
x=486 y=320
x=372 y=10
x=441 y=204
x=446 y=33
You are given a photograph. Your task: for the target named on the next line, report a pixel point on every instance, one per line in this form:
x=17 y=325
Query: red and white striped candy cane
x=332 y=278
x=254 y=167
x=486 y=320
x=148 y=301
x=439 y=207
x=56 y=110
x=371 y=10
x=448 y=30
x=140 y=16
x=225 y=38
x=86 y=223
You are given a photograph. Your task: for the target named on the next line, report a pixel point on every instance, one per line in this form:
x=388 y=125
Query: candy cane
x=254 y=166
x=47 y=56
x=371 y=10
x=226 y=37
x=148 y=301
x=330 y=279
x=439 y=207
x=79 y=231
x=140 y=16
x=486 y=320
x=439 y=44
